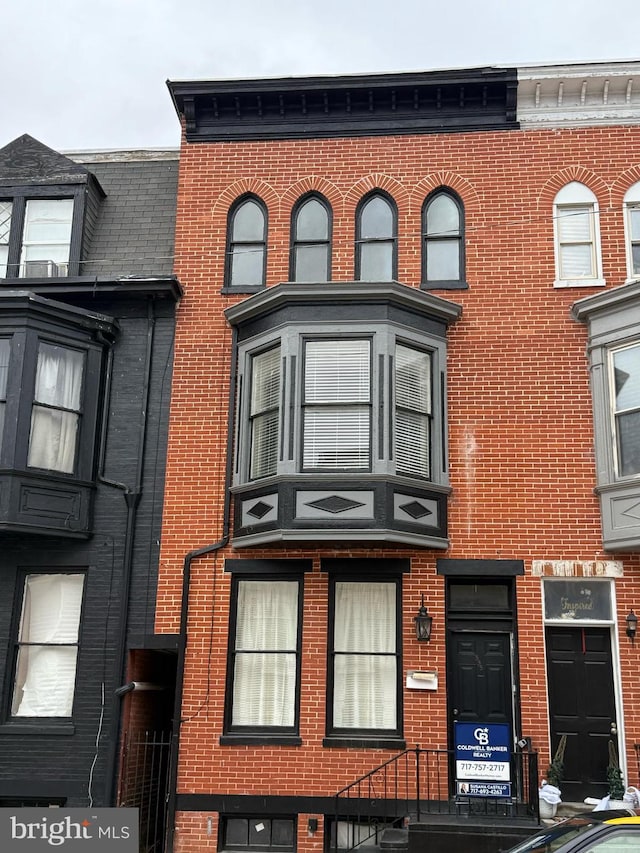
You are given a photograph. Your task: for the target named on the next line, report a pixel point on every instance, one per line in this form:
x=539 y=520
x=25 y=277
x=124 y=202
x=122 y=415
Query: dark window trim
x=377 y=193
x=13 y=724
x=271 y=573
x=479 y=568
x=265 y=567
x=459 y=283
x=344 y=571
x=230 y=243
x=258 y=816
x=294 y=243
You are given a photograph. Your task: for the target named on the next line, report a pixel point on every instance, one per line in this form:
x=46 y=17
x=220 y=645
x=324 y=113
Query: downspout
x=184 y=608
x=132 y=496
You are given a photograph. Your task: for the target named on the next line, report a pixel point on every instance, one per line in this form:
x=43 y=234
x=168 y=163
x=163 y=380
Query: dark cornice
x=167 y=287
x=368 y=104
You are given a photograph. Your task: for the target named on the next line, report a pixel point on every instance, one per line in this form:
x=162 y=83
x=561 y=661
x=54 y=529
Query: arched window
x=247 y=244
x=376 y=239
x=577 y=237
x=311 y=240
x=443 y=240
x=632 y=230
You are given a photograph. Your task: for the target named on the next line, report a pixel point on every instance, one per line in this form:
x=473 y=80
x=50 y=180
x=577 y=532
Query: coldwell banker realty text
x=31 y=830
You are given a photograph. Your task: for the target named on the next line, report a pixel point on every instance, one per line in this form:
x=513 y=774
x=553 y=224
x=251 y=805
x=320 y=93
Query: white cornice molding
x=579 y=95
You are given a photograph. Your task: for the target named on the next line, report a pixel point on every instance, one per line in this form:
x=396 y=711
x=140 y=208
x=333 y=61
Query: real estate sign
x=483 y=759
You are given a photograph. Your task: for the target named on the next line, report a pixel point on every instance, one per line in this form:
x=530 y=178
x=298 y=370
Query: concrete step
x=394 y=838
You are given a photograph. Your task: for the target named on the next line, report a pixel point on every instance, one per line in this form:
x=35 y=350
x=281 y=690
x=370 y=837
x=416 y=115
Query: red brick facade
x=520 y=426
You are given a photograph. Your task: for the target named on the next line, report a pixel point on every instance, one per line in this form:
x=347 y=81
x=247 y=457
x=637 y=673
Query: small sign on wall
x=422 y=679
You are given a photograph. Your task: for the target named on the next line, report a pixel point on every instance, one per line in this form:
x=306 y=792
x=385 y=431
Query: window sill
x=38 y=728
x=395 y=744
x=579 y=282
x=260 y=740
x=249 y=288
x=444 y=285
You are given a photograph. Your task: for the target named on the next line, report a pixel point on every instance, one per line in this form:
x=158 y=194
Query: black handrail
x=418 y=782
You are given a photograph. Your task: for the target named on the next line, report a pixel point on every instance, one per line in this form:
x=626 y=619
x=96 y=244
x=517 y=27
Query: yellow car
x=595 y=832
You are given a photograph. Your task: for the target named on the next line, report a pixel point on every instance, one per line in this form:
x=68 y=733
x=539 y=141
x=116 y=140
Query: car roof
x=632 y=820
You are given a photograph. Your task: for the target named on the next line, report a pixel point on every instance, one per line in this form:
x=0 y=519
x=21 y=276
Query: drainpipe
x=184 y=609
x=132 y=496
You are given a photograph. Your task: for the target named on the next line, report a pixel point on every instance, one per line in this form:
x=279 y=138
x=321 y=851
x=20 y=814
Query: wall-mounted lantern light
x=423 y=623
x=632 y=625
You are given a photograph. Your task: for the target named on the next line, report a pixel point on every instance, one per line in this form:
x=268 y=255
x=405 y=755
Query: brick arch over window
x=580 y=174
x=381 y=183
x=445 y=181
x=247 y=187
x=622 y=184
x=313 y=184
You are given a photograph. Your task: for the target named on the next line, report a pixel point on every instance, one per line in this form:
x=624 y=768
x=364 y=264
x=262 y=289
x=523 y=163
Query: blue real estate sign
x=483 y=759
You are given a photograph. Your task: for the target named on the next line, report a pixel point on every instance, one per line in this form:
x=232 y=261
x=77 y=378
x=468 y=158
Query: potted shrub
x=555 y=770
x=549 y=793
x=614 y=778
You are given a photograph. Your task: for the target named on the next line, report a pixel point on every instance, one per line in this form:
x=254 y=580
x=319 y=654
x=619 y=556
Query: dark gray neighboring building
x=87 y=312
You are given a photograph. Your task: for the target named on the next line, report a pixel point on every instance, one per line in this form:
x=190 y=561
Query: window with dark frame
x=46 y=650
x=376 y=238
x=259 y=833
x=264 y=655
x=443 y=240
x=265 y=413
x=311 y=240
x=247 y=244
x=364 y=691
x=36 y=237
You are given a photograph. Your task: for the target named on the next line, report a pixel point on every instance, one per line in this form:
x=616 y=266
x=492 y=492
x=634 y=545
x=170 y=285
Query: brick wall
x=520 y=423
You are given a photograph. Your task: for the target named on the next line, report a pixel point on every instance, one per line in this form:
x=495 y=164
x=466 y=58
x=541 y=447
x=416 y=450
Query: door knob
x=614 y=729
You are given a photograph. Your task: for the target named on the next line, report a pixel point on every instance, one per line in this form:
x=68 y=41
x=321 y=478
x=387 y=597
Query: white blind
x=337 y=416
x=575 y=230
x=365 y=684
x=265 y=403
x=413 y=409
x=264 y=681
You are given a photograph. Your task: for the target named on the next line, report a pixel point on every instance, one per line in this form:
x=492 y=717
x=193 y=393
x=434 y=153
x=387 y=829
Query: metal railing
x=421 y=782
x=143 y=784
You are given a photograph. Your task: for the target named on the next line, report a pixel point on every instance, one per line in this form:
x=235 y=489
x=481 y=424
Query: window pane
x=336 y=438
x=5 y=349
x=628 y=430
x=634 y=223
x=635 y=259
x=626 y=371
x=247 y=265
x=265 y=653
x=364 y=694
x=365 y=616
x=248 y=223
x=5 y=229
x=337 y=371
x=312 y=221
x=376 y=219
x=265 y=413
x=312 y=263
x=574 y=224
x=413 y=379
x=45 y=669
x=443 y=260
x=54 y=430
x=576 y=261
x=47 y=232
x=412 y=444
x=443 y=217
x=376 y=261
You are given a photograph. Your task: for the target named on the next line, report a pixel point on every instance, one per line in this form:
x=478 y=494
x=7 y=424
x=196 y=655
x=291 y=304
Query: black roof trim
x=358 y=105
x=161 y=287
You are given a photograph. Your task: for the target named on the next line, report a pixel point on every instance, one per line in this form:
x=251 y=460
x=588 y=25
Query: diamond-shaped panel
x=259 y=510
x=335 y=504
x=415 y=509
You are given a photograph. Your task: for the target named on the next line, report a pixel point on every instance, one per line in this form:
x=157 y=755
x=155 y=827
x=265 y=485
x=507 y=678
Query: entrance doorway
x=480 y=677
x=582 y=706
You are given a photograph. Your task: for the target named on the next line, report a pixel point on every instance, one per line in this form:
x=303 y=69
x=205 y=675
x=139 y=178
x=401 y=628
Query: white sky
x=91 y=74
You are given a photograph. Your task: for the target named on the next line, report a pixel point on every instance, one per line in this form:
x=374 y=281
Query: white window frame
x=578 y=196
x=631 y=203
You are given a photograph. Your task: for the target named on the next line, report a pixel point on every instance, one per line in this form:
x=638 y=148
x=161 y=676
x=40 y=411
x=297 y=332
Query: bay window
x=340 y=416
x=47 y=646
x=625 y=364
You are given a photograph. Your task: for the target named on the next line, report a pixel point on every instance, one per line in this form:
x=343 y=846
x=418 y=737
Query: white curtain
x=54 y=429
x=264 y=683
x=365 y=669
x=47 y=651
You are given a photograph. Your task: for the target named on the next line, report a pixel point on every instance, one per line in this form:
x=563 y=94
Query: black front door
x=582 y=706
x=480 y=677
